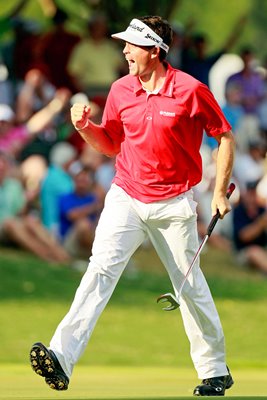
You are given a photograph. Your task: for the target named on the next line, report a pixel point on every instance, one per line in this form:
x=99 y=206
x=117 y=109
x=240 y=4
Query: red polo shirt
x=161 y=134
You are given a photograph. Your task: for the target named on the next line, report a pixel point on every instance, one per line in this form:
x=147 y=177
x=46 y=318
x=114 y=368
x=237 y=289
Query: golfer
x=153 y=123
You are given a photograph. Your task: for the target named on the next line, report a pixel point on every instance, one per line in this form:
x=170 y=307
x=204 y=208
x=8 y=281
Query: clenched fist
x=80 y=114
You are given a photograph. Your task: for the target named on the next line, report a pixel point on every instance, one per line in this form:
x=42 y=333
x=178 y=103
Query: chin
x=133 y=72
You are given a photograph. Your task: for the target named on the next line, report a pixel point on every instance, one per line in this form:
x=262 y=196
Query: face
x=4 y=127
x=83 y=182
x=141 y=60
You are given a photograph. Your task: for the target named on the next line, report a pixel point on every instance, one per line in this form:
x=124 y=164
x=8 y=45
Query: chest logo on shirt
x=167 y=113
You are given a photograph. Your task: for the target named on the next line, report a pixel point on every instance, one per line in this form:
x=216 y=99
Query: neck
x=155 y=79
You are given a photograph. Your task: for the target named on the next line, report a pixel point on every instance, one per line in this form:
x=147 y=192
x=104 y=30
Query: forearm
x=41 y=119
x=253 y=230
x=83 y=211
x=224 y=165
x=98 y=138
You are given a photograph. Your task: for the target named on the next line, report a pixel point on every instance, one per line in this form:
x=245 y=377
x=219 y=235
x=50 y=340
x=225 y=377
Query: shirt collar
x=167 y=89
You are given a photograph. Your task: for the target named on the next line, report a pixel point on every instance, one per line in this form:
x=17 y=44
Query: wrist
x=83 y=127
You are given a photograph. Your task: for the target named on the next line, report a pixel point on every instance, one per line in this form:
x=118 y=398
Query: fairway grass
x=89 y=383
x=136 y=348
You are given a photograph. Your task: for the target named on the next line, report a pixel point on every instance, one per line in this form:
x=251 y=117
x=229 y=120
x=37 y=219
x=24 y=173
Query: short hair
x=162 y=28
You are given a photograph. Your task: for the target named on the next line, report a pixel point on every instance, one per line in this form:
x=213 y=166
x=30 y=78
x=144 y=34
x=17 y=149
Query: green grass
x=144 y=349
x=123 y=383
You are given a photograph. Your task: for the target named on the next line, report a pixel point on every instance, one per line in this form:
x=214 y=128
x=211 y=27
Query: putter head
x=174 y=303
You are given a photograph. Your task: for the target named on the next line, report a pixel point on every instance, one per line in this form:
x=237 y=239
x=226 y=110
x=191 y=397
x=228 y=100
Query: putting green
x=88 y=383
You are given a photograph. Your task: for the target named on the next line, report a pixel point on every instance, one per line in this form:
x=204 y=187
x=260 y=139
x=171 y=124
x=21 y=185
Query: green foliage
x=212 y=17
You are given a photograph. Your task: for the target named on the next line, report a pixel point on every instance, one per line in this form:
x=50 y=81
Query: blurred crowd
x=53 y=184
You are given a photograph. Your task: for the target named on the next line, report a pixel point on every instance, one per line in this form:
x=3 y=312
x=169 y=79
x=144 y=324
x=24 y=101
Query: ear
x=155 y=52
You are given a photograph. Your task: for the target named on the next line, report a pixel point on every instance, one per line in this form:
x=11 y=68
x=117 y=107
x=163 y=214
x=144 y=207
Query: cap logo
x=148 y=36
x=136 y=27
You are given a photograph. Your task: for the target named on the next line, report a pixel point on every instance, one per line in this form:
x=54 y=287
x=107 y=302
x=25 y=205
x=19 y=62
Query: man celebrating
x=153 y=122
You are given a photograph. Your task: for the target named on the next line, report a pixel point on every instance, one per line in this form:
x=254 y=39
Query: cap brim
x=130 y=38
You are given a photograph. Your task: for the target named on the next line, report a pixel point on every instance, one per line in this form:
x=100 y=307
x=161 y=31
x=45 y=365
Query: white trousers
x=123 y=226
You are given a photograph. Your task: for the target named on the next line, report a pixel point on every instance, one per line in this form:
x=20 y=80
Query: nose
x=126 y=48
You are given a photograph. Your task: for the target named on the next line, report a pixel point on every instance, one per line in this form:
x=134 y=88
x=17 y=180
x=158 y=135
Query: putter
x=171 y=298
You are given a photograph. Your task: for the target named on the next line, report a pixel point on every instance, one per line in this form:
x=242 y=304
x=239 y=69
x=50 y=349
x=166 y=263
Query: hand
x=80 y=114
x=221 y=204
x=34 y=78
x=63 y=94
x=60 y=100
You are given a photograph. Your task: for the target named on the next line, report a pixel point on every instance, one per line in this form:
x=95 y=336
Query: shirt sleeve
x=206 y=108
x=111 y=120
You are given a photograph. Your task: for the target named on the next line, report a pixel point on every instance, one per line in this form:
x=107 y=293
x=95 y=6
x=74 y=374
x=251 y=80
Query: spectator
x=232 y=108
x=95 y=61
x=54 y=49
x=250 y=82
x=56 y=182
x=250 y=166
x=251 y=85
x=19 y=227
x=234 y=112
x=221 y=237
x=79 y=212
x=196 y=61
x=250 y=229
x=103 y=166
x=262 y=109
x=33 y=94
x=14 y=138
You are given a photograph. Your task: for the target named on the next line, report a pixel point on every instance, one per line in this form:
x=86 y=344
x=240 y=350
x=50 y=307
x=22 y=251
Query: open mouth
x=130 y=63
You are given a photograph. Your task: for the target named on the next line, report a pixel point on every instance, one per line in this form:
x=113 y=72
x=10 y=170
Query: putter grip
x=214 y=220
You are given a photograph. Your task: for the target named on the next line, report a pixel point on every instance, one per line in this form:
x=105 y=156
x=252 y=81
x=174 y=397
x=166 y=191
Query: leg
x=17 y=232
x=119 y=233
x=174 y=235
x=78 y=241
x=35 y=228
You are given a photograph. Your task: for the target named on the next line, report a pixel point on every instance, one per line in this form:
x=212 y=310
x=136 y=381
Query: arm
x=92 y=133
x=254 y=230
x=83 y=211
x=25 y=101
x=224 y=165
x=41 y=119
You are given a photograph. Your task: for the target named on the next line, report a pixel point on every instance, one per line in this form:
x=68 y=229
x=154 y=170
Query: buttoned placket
x=149 y=107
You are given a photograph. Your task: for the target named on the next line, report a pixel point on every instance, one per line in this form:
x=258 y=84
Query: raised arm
x=225 y=159
x=92 y=133
x=43 y=118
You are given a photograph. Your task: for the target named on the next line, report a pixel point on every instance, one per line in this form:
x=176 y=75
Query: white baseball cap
x=6 y=113
x=140 y=34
